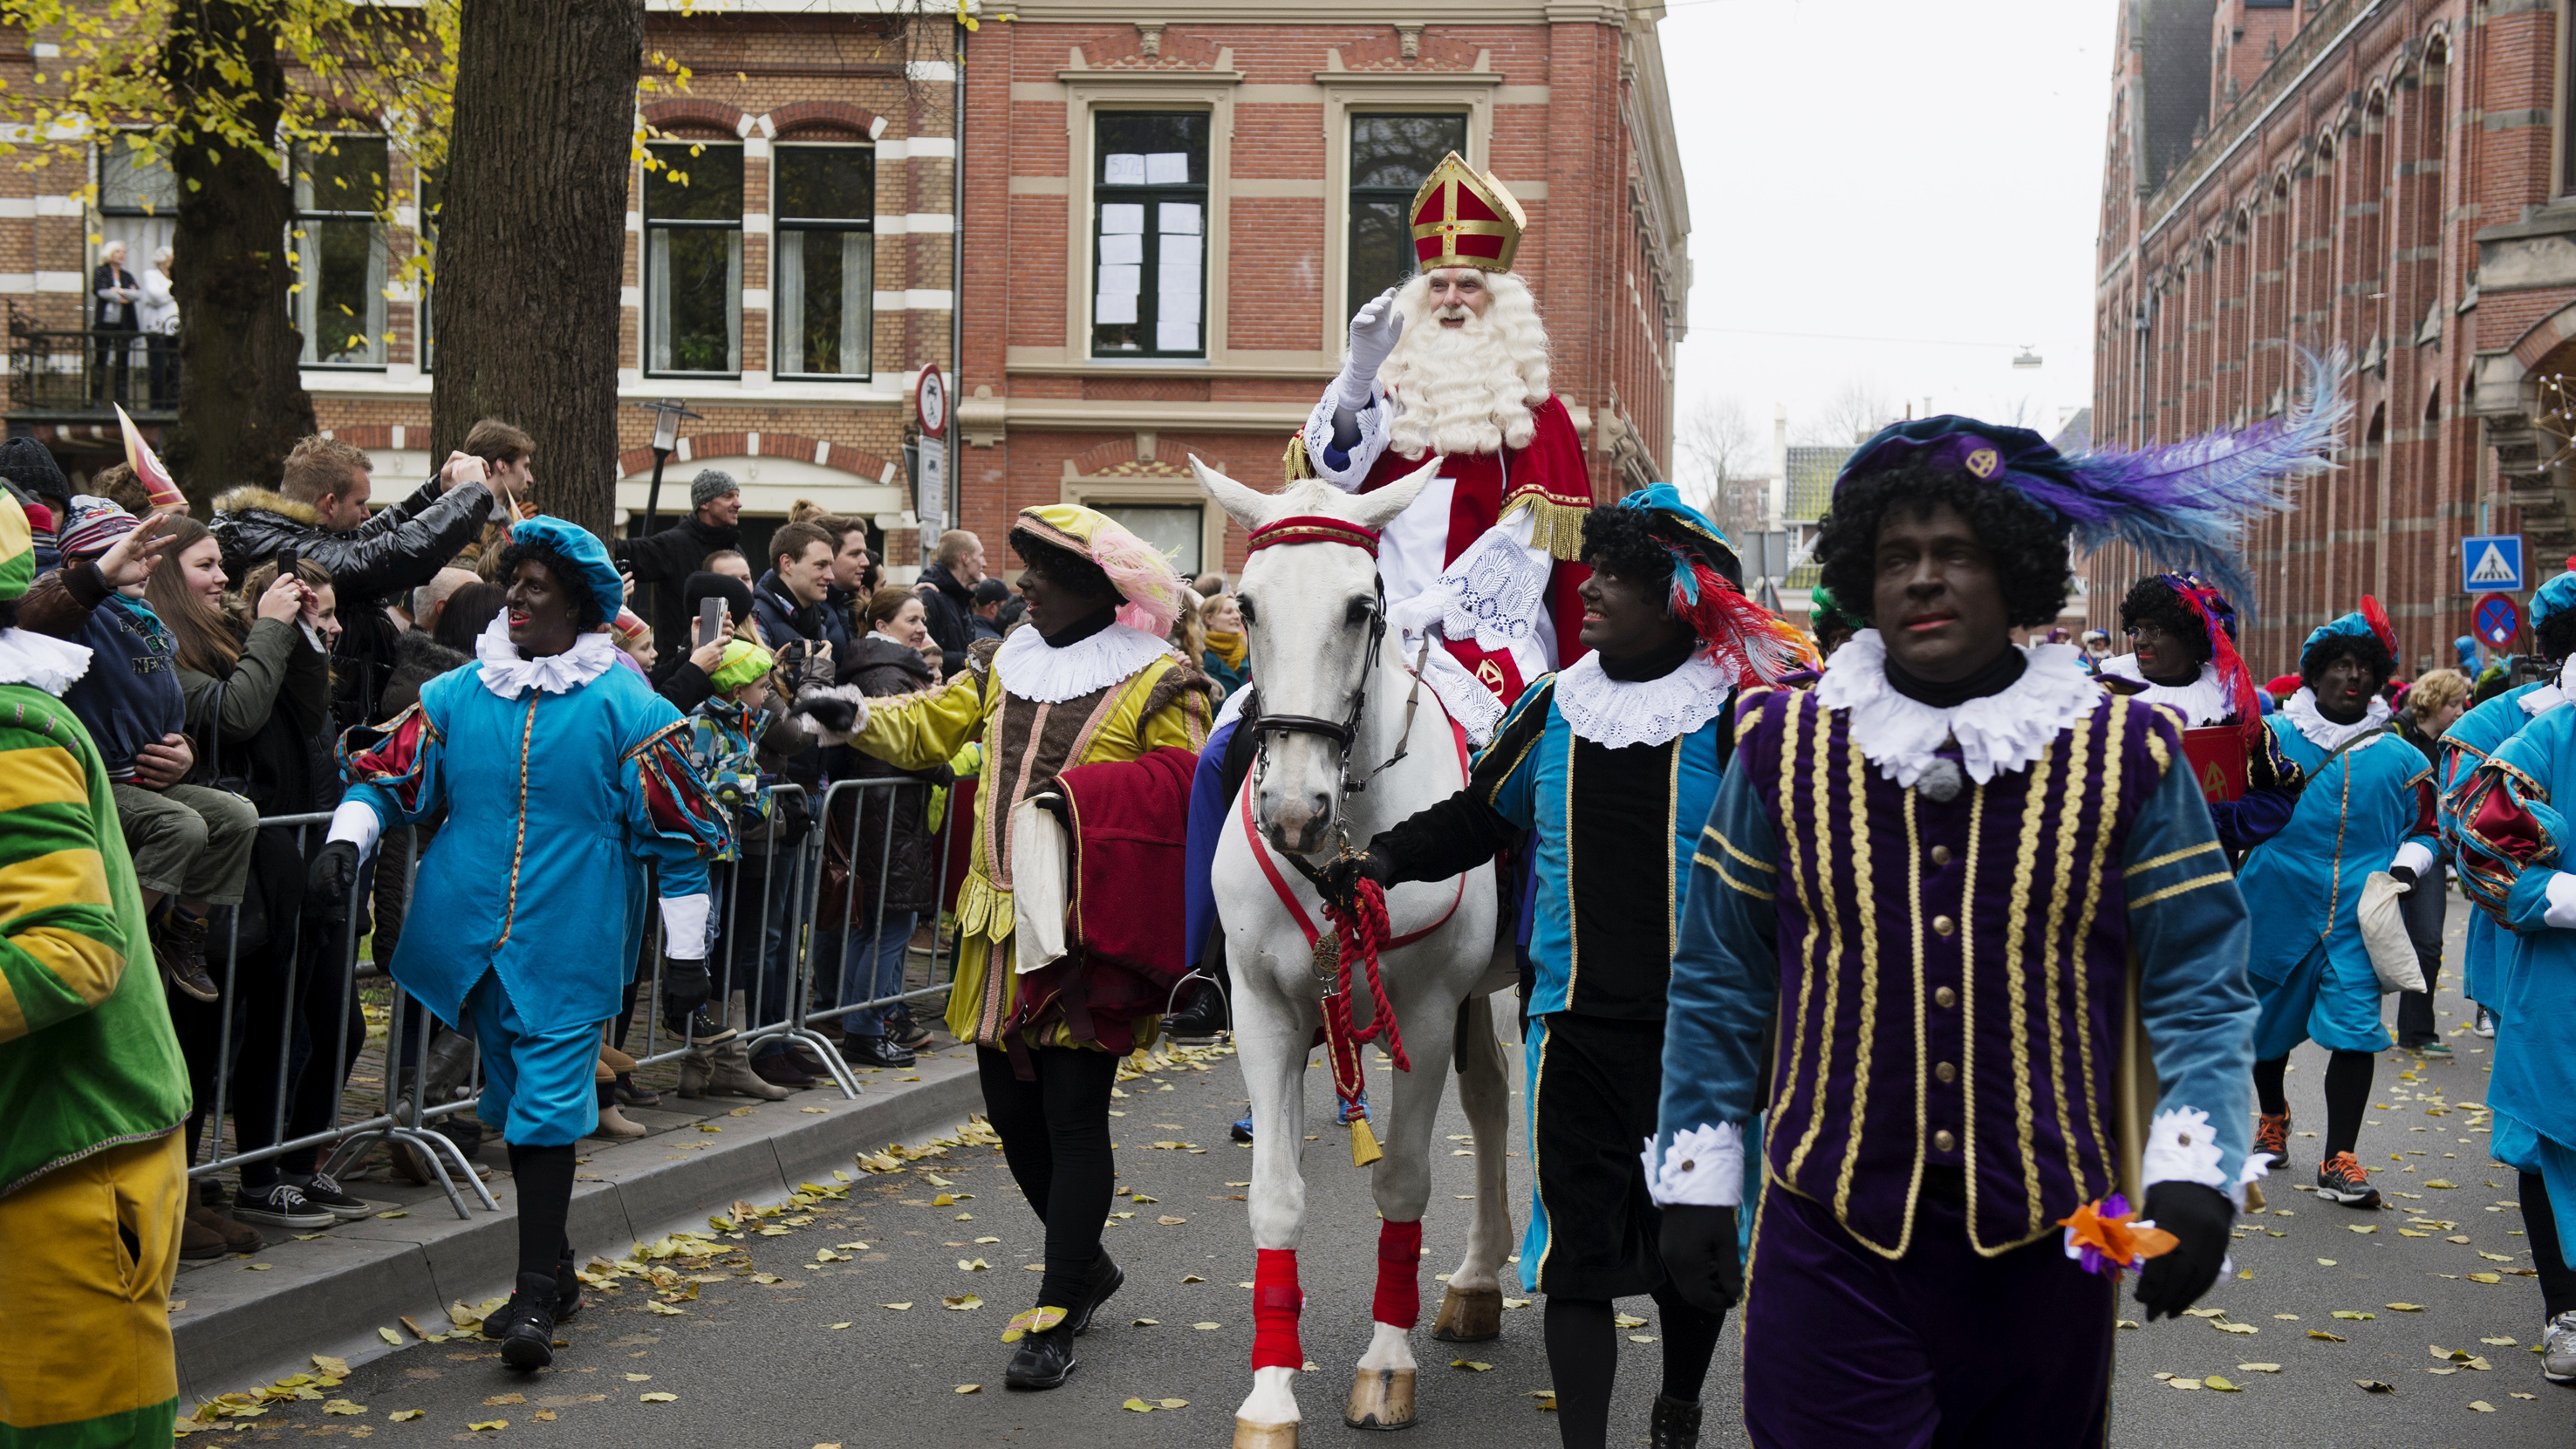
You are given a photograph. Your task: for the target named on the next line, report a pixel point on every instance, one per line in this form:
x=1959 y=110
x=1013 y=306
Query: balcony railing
x=73 y=373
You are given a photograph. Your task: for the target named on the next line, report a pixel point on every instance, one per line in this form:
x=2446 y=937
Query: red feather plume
x=2377 y=618
x=1748 y=641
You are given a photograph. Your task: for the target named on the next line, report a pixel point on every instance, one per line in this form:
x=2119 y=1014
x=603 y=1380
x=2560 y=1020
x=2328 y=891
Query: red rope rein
x=1362 y=929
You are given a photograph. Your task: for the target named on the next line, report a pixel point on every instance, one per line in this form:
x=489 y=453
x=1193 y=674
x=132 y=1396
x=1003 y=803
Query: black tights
x=2347 y=1094
x=1055 y=1135
x=545 y=1205
x=2540 y=1222
x=1583 y=1358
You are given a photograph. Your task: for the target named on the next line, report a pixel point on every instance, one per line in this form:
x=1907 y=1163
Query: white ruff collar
x=2201 y=702
x=2551 y=695
x=1615 y=713
x=50 y=664
x=2324 y=733
x=1033 y=669
x=1998 y=733
x=509 y=676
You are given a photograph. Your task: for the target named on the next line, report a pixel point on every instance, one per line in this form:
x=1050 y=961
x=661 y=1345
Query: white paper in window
x=1125 y=251
x=1176 y=336
x=1119 y=219
x=1121 y=281
x=1167 y=168
x=1181 y=282
x=1124 y=168
x=1180 y=218
x=1108 y=310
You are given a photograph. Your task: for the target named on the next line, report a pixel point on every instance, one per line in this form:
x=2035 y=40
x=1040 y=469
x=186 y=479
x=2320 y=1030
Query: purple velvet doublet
x=1953 y=974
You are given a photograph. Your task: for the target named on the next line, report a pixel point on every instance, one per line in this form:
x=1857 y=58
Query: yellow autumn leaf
x=1145 y=1323
x=2258 y=1368
x=2346 y=1313
x=2220 y=1384
x=2481 y=1406
x=657 y=1397
x=1473 y=1366
x=405 y=1416
x=1207 y=1327
x=343 y=1406
x=665 y=1309
x=897 y=1307
x=972 y=1265
x=2235 y=1327
x=1137 y=1406
x=2319 y=1333
x=498 y=1400
x=389 y=1336
x=2405 y=1307
x=969 y=1388
x=1173 y=1403
x=489 y=1424
x=961 y=1303
x=2485 y=1278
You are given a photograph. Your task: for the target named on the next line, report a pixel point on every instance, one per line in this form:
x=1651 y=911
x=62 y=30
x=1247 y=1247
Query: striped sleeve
x=62 y=951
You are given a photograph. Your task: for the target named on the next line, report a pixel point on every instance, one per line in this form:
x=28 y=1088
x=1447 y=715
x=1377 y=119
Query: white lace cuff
x=684 y=927
x=2183 y=1147
x=1704 y=1167
x=1363 y=453
x=357 y=822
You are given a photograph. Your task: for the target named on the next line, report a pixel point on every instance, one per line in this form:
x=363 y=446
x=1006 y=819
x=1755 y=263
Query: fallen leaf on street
x=1137 y=1406
x=2325 y=1262
x=2183 y=1383
x=897 y=1307
x=2220 y=1384
x=2485 y=1278
x=961 y=1303
x=1206 y=1327
x=657 y=1398
x=1627 y=1320
x=2507 y=1341
x=489 y=1424
x=2258 y=1368
x=405 y=1416
x=2349 y=1314
x=343 y=1406
x=1473 y=1366
x=2405 y=1307
x=389 y=1336
x=1146 y=1323
x=548 y=1415
x=972 y=1265
x=2481 y=1406
x=1169 y=1221
x=499 y=1399
x=665 y=1309
x=2361 y=1227
x=2328 y=1337
x=2437 y=1182
x=1173 y=1403
x=2234 y=1327
x=2376 y=1386
x=969 y=1388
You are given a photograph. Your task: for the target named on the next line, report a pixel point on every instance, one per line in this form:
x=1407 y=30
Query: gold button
x=1690 y=1164
x=1943 y=925
x=1946 y=1072
x=1940 y=855
x=1945 y=997
x=1942 y=1141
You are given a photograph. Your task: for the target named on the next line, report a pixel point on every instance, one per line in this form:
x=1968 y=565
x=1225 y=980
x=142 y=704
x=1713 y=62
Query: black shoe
x=180 y=944
x=1675 y=1425
x=324 y=1192
x=875 y=1051
x=1201 y=1020
x=1042 y=1360
x=282 y=1205
x=1105 y=1279
x=702 y=1027
x=526 y=1324
x=567 y=1289
x=905 y=1032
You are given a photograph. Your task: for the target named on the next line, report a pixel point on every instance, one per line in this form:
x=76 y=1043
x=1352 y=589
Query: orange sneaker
x=2340 y=1178
x=2272 y=1139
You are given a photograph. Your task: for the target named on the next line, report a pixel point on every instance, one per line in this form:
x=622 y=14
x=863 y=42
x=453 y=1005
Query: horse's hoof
x=1469 y=1315
x=1381 y=1399
x=1249 y=1435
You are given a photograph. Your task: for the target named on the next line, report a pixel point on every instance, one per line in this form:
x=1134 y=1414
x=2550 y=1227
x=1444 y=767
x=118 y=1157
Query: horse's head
x=1310 y=610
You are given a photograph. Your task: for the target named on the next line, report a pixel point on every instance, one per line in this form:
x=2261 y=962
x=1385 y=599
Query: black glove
x=835 y=715
x=2404 y=875
x=1343 y=876
x=1699 y=1256
x=685 y=988
x=2198 y=1218
x=331 y=881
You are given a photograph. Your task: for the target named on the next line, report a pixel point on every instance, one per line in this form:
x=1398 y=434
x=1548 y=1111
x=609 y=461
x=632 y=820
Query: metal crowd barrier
x=779 y=976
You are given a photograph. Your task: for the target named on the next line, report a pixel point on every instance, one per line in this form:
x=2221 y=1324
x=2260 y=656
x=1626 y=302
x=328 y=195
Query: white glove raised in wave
x=1374 y=329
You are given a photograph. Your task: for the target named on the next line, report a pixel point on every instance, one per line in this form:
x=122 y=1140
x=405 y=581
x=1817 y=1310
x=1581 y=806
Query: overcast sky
x=1890 y=193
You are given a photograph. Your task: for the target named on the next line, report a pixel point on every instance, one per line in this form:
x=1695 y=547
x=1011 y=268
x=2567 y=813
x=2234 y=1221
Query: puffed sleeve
x=2511 y=838
x=918 y=731
x=393 y=774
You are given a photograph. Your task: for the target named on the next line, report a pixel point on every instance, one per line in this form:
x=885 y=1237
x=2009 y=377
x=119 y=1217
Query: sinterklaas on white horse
x=1349 y=744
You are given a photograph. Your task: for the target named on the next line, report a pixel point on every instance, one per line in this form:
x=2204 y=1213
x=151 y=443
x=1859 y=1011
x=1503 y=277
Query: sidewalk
x=242 y=1321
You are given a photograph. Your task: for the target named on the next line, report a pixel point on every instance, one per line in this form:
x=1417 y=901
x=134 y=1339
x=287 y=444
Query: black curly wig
x=2322 y=655
x=2026 y=543
x=2556 y=635
x=1629 y=544
x=2153 y=601
x=1063 y=567
x=586 y=614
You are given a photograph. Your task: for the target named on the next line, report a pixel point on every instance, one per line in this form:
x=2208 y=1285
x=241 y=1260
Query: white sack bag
x=1040 y=855
x=2383 y=931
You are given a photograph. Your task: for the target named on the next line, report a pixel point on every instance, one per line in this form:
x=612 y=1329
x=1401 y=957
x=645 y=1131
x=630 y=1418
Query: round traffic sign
x=2498 y=620
x=931 y=397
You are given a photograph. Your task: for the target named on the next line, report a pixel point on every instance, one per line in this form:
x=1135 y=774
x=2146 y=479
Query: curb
x=330 y=1295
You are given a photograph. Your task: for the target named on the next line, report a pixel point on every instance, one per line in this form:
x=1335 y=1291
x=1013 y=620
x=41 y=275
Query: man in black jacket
x=947 y=589
x=320 y=511
x=663 y=561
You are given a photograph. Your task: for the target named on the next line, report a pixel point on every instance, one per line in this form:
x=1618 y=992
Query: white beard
x=1467 y=389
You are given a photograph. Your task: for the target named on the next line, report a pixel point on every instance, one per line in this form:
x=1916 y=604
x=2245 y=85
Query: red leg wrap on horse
x=1276 y=1301
x=1399 y=1274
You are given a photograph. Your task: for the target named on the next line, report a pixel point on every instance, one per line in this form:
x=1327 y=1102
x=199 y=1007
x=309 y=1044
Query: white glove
x=1374 y=329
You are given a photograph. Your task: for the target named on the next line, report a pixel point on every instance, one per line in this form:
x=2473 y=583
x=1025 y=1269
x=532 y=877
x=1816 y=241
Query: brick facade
x=2385 y=177
x=1550 y=93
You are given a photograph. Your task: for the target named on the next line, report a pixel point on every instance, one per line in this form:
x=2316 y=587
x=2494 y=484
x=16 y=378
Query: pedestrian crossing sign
x=2491 y=564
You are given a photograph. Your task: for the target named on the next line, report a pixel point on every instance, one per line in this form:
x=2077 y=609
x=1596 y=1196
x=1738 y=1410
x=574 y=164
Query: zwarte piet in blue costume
x=2183 y=656
x=1607 y=767
x=562 y=777
x=1927 y=893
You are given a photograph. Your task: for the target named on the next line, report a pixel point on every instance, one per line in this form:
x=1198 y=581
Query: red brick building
x=1171 y=207
x=2391 y=176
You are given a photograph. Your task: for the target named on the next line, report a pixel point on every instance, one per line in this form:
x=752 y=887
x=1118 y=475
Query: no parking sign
x=2497 y=620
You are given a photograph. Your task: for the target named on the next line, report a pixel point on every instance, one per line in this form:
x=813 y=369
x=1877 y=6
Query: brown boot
x=197 y=1240
x=237 y=1237
x=613 y=1123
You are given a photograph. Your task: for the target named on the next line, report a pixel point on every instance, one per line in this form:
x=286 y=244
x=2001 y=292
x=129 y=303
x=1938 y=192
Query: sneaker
x=323 y=1192
x=282 y=1206
x=703 y=1027
x=2272 y=1139
x=1106 y=1278
x=2558 y=1349
x=1675 y=1425
x=1042 y=1360
x=630 y=1094
x=2340 y=1178
x=905 y=1032
x=1243 y=1130
x=179 y=943
x=875 y=1051
x=2438 y=1049
x=2486 y=1024
x=526 y=1324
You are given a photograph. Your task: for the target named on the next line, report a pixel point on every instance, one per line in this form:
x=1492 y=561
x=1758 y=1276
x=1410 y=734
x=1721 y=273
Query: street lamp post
x=667 y=413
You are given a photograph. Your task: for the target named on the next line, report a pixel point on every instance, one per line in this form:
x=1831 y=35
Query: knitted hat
x=95 y=526
x=17 y=550
x=742 y=664
x=1140 y=573
x=629 y=629
x=711 y=483
x=587 y=555
x=31 y=466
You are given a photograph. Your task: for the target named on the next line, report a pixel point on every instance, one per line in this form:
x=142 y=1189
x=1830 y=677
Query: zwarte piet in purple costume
x=1975 y=936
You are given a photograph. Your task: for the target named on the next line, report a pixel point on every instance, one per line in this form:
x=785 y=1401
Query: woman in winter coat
x=255 y=672
x=893 y=657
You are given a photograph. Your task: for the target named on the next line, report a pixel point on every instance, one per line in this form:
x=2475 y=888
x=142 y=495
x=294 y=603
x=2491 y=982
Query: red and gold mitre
x=1464 y=218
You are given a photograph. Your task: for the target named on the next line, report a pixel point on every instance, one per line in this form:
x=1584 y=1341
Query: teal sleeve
x=2188 y=932
x=1726 y=974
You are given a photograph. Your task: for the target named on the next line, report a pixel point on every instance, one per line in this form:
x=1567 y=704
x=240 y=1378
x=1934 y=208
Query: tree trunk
x=532 y=227
x=242 y=403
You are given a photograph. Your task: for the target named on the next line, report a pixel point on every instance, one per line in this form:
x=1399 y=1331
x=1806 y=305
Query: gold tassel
x=1294 y=460
x=1555 y=527
x=1364 y=1148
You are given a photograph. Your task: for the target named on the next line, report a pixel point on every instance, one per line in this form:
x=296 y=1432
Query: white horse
x=1313 y=611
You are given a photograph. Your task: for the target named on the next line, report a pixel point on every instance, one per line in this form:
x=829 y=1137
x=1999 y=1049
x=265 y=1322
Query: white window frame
x=780 y=226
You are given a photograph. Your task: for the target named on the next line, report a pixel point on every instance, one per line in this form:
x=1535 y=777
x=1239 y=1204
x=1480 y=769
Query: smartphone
x=288 y=561
x=710 y=620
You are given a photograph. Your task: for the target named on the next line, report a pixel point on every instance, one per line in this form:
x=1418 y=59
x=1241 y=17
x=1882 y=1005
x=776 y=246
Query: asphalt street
x=825 y=1355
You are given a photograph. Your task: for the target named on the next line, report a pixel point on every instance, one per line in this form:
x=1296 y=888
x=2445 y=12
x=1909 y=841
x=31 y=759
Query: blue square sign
x=2492 y=564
